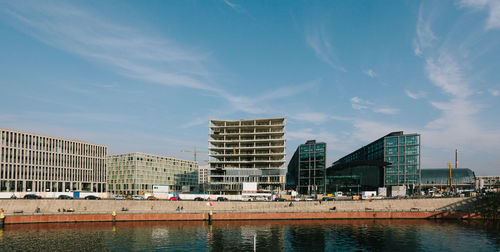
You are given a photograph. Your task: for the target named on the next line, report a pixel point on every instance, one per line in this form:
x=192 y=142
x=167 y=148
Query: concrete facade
x=246 y=151
x=133 y=173
x=37 y=163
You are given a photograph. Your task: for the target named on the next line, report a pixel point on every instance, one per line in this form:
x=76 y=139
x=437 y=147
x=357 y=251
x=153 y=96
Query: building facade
x=488 y=182
x=461 y=178
x=37 y=163
x=306 y=169
x=203 y=177
x=133 y=173
x=397 y=155
x=246 y=151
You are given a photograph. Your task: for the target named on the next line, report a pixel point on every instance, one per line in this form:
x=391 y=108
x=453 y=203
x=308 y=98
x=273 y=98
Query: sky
x=146 y=76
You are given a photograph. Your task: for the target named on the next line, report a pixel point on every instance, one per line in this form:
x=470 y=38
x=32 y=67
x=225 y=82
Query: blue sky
x=147 y=76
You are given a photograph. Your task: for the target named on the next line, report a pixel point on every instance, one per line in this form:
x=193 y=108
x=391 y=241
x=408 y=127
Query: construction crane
x=195 y=152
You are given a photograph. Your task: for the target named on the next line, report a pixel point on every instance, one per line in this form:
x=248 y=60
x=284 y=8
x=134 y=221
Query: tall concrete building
x=132 y=173
x=246 y=151
x=37 y=163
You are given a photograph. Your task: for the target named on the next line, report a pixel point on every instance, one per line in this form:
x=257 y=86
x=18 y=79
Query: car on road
x=199 y=199
x=137 y=197
x=222 y=199
x=279 y=199
x=119 y=197
x=152 y=198
x=64 y=197
x=174 y=198
x=32 y=196
x=328 y=198
x=92 y=197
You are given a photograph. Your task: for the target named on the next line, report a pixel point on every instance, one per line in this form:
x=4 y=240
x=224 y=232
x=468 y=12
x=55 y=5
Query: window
x=391 y=141
x=391 y=151
x=411 y=140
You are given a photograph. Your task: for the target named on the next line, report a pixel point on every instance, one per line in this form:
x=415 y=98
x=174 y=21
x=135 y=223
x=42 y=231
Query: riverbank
x=52 y=210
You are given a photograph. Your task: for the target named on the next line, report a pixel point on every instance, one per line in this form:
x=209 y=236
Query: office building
x=393 y=159
x=136 y=173
x=246 y=151
x=36 y=163
x=306 y=170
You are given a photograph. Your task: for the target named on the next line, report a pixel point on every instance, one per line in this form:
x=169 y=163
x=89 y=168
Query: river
x=304 y=235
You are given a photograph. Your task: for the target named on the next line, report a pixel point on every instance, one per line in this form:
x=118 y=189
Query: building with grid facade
x=393 y=159
x=246 y=151
x=37 y=163
x=306 y=170
x=133 y=173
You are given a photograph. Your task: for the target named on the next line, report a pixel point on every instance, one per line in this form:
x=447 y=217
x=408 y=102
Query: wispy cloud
x=311 y=117
x=493 y=92
x=425 y=35
x=417 y=95
x=387 y=111
x=370 y=73
x=130 y=52
x=333 y=142
x=492 y=6
x=319 y=40
x=123 y=49
x=361 y=104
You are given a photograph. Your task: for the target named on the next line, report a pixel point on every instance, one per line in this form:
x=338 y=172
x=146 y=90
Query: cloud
x=123 y=49
x=417 y=95
x=491 y=6
x=387 y=111
x=319 y=41
x=370 y=73
x=130 y=52
x=360 y=104
x=445 y=73
x=311 y=117
x=494 y=92
x=332 y=141
x=425 y=35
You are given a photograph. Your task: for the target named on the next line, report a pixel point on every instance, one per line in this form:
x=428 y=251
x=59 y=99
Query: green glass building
x=397 y=155
x=133 y=173
x=306 y=169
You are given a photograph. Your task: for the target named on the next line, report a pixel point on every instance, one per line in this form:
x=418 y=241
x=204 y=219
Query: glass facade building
x=401 y=154
x=133 y=173
x=306 y=169
x=460 y=177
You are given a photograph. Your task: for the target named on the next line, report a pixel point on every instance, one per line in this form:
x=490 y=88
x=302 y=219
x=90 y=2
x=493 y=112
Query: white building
x=246 y=151
x=37 y=163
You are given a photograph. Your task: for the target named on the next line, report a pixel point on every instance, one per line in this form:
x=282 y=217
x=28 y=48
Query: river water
x=316 y=235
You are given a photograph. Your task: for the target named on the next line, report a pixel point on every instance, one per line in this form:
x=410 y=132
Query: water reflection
x=313 y=235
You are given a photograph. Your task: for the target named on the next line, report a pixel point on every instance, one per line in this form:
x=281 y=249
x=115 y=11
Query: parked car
x=137 y=197
x=222 y=199
x=328 y=198
x=119 y=197
x=279 y=199
x=199 y=199
x=152 y=198
x=174 y=198
x=64 y=197
x=32 y=196
x=92 y=197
